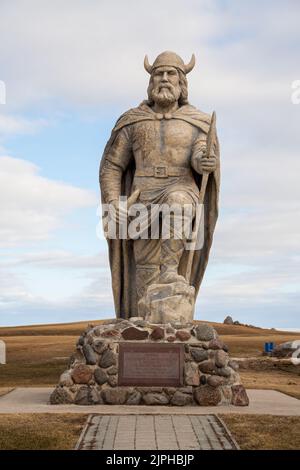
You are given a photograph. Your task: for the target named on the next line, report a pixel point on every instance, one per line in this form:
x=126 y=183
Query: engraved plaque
x=151 y=364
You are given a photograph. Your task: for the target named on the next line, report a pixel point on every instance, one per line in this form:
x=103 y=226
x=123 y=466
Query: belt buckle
x=161 y=171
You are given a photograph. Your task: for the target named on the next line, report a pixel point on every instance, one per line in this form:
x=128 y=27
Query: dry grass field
x=264 y=432
x=40 y=431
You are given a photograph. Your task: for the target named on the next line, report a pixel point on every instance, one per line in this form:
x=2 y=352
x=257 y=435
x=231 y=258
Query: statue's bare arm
x=200 y=161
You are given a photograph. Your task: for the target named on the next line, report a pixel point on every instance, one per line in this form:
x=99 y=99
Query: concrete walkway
x=156 y=432
x=36 y=400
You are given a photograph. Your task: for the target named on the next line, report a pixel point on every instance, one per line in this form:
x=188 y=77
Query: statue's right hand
x=118 y=212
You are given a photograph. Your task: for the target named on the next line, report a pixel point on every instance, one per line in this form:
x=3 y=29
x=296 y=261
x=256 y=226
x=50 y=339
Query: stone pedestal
x=140 y=363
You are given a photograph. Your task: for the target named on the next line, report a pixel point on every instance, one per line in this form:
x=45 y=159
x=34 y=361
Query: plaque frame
x=148 y=348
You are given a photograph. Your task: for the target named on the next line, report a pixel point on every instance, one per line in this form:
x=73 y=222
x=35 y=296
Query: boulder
x=82 y=374
x=181 y=399
x=108 y=358
x=205 y=332
x=239 y=396
x=133 y=333
x=61 y=396
x=155 y=399
x=206 y=395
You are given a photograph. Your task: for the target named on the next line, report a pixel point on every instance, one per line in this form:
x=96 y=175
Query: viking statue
x=158 y=154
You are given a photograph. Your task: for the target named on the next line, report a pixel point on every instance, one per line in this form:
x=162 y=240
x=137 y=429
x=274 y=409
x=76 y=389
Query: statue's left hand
x=204 y=163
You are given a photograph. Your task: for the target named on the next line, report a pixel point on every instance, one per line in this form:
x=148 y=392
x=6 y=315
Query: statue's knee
x=179 y=197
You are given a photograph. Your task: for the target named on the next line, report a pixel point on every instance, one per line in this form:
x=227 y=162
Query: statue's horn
x=188 y=67
x=147 y=66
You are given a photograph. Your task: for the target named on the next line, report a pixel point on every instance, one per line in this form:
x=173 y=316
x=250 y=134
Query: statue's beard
x=166 y=95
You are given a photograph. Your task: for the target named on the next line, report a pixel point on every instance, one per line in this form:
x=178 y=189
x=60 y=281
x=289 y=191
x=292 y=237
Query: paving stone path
x=155 y=432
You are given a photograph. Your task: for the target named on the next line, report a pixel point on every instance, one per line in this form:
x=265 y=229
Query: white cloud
x=58 y=259
x=91 y=53
x=18 y=125
x=32 y=206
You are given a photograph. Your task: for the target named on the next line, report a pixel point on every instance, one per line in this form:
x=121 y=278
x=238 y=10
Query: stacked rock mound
x=210 y=377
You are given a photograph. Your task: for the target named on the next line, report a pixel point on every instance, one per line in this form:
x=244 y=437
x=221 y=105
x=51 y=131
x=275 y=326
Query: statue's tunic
x=156 y=154
x=163 y=151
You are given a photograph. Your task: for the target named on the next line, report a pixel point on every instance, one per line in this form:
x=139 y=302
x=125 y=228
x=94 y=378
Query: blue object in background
x=269 y=347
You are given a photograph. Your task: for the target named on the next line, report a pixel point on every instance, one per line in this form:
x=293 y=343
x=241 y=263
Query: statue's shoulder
x=194 y=113
x=194 y=116
x=133 y=115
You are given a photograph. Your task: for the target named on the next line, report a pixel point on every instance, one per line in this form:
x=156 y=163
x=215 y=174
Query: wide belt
x=163 y=171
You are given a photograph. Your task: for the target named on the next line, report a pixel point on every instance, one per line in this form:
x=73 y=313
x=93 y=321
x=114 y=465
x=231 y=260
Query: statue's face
x=162 y=76
x=165 y=85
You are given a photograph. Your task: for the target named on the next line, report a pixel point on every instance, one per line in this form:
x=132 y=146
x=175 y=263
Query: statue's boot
x=146 y=275
x=171 y=252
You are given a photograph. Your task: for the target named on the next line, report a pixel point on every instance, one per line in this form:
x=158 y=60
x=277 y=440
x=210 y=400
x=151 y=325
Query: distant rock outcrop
x=228 y=320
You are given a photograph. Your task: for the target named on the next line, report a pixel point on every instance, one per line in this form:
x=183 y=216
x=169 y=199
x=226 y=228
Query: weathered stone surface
x=111 y=333
x=61 y=396
x=114 y=396
x=228 y=320
x=108 y=358
x=136 y=319
x=144 y=390
x=99 y=346
x=183 y=335
x=223 y=371
x=140 y=323
x=215 y=380
x=198 y=354
x=66 y=379
x=133 y=333
x=155 y=399
x=80 y=341
x=82 y=374
x=157 y=333
x=168 y=302
x=234 y=365
x=205 y=332
x=100 y=376
x=181 y=399
x=170 y=329
x=205 y=395
x=191 y=374
x=87 y=396
x=239 y=396
x=89 y=354
x=216 y=344
x=171 y=338
x=221 y=358
x=112 y=370
x=134 y=398
x=112 y=380
x=227 y=394
x=207 y=367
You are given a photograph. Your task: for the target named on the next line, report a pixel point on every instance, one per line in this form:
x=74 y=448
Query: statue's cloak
x=121 y=258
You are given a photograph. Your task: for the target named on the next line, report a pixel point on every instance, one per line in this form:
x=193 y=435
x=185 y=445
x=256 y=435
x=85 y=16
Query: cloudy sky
x=71 y=68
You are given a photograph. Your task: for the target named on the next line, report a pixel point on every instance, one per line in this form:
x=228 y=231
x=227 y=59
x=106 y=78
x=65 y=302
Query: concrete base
x=36 y=400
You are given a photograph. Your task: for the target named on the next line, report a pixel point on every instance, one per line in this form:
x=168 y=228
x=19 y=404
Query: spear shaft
x=211 y=138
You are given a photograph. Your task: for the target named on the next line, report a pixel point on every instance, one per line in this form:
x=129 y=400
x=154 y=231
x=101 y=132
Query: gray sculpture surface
x=158 y=154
